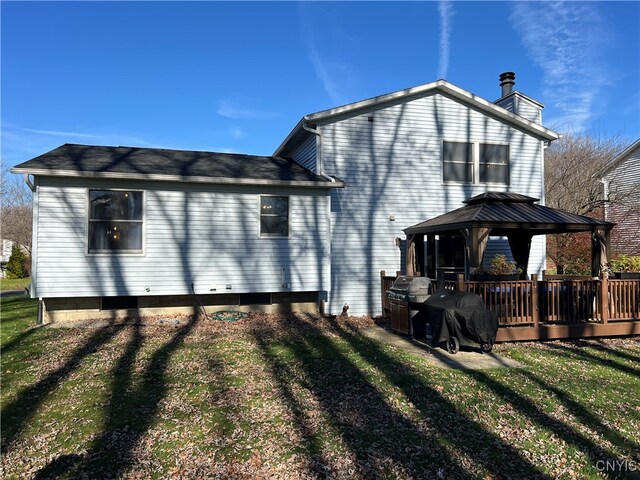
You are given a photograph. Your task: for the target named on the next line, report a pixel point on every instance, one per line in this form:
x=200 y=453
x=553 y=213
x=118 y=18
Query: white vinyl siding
x=205 y=235
x=393 y=167
x=305 y=153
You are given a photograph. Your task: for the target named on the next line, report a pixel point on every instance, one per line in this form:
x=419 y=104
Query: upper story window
x=479 y=163
x=274 y=216
x=457 y=162
x=115 y=221
x=494 y=163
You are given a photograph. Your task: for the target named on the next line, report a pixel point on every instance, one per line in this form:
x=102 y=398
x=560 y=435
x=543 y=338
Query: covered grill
x=405 y=296
x=458 y=318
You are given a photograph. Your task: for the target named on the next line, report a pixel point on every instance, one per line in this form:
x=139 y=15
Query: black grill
x=405 y=296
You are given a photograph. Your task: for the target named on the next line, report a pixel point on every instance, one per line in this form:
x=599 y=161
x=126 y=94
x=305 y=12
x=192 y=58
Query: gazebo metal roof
x=506 y=212
x=513 y=215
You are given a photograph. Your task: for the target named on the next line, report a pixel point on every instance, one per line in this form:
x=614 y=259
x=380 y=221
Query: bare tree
x=573 y=168
x=16 y=210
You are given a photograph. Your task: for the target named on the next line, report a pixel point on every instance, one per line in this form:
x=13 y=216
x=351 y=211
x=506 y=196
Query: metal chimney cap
x=507 y=76
x=507 y=81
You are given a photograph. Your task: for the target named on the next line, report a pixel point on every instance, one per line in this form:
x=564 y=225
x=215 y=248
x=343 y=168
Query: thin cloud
x=565 y=40
x=336 y=74
x=236 y=110
x=21 y=143
x=445 y=11
x=60 y=133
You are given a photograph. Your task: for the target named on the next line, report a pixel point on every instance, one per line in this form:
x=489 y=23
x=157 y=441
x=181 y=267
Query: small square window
x=274 y=216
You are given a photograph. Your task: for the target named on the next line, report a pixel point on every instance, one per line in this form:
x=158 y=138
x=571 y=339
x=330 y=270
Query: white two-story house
x=123 y=231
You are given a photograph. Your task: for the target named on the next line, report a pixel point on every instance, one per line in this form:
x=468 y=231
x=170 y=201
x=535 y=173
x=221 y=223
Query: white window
x=274 y=216
x=475 y=163
x=115 y=221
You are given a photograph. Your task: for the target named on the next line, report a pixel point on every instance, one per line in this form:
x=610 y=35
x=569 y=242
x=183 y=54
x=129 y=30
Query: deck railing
x=551 y=301
x=624 y=299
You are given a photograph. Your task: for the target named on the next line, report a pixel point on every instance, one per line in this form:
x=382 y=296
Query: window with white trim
x=457 y=162
x=274 y=216
x=475 y=163
x=115 y=221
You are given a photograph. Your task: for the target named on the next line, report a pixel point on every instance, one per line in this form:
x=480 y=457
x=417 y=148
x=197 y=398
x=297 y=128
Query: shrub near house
x=17 y=267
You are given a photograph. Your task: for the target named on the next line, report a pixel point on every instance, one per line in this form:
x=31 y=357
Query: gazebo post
x=475 y=240
x=600 y=242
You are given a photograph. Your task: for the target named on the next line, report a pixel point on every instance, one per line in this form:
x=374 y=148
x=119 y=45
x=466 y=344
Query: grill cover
x=462 y=315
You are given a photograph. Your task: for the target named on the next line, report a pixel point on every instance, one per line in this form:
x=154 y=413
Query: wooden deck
x=555 y=308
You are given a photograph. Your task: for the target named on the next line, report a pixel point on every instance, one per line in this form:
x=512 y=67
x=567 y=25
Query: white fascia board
x=448 y=89
x=293 y=132
x=180 y=178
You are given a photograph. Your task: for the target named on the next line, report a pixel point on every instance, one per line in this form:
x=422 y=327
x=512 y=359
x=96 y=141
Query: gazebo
x=514 y=216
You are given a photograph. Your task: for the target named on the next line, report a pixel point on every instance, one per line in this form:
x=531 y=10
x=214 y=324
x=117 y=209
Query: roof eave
x=292 y=133
x=181 y=178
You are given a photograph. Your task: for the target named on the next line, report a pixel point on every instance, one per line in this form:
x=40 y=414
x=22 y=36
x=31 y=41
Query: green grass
x=303 y=398
x=14 y=283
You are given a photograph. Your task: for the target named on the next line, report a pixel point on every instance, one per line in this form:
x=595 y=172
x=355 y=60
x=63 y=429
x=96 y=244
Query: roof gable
x=621 y=157
x=441 y=86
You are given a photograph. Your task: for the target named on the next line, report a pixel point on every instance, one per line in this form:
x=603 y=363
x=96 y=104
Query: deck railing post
x=535 y=310
x=460 y=282
x=604 y=298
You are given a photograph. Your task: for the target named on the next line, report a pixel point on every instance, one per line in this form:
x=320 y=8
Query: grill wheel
x=453 y=345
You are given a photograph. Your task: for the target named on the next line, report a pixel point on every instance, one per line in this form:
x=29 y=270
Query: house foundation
x=73 y=309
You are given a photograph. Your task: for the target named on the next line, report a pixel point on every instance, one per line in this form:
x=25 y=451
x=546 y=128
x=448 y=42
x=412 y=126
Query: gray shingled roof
x=503 y=212
x=172 y=165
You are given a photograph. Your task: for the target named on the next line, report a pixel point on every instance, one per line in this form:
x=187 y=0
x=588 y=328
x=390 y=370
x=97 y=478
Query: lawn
x=14 y=283
x=302 y=397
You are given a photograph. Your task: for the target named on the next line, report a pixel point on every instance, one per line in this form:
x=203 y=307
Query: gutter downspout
x=321 y=303
x=28 y=181
x=318 y=151
x=605 y=193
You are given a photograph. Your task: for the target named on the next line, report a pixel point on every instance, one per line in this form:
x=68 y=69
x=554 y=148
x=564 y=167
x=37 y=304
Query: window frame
x=475 y=157
x=260 y=214
x=143 y=221
x=507 y=165
x=473 y=173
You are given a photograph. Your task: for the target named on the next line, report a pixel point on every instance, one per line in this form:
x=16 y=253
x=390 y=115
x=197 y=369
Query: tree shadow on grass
x=16 y=341
x=382 y=439
x=16 y=414
x=526 y=406
x=579 y=351
x=131 y=412
x=585 y=416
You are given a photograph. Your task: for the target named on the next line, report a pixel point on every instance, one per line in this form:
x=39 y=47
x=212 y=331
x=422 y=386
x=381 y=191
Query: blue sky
x=238 y=76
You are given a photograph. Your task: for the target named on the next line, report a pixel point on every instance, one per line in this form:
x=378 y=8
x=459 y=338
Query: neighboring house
x=312 y=225
x=621 y=180
x=7 y=246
